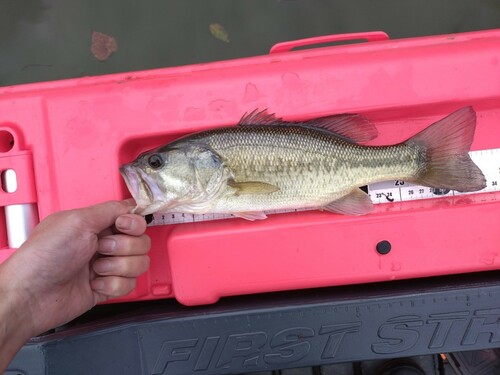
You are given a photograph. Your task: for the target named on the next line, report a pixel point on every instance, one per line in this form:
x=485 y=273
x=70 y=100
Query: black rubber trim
x=276 y=331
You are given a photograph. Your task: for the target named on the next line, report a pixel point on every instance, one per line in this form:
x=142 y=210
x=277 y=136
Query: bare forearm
x=15 y=325
x=10 y=341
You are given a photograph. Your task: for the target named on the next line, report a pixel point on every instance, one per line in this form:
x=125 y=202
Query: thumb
x=103 y=215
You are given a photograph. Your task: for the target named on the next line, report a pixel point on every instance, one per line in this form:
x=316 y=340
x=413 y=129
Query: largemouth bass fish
x=266 y=163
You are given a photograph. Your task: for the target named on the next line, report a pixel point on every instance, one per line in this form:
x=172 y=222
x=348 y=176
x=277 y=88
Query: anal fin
x=357 y=202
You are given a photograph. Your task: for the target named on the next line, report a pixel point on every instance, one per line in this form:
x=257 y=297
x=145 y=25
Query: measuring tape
x=381 y=192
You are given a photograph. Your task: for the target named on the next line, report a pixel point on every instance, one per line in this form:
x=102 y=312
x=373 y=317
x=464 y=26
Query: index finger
x=104 y=215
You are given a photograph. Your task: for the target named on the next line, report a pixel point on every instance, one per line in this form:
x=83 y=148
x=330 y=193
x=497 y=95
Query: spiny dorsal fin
x=252 y=187
x=257 y=117
x=353 y=127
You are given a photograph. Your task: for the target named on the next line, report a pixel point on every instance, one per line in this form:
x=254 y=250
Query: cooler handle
x=371 y=36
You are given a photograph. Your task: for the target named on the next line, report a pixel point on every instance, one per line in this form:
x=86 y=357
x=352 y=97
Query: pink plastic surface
x=76 y=133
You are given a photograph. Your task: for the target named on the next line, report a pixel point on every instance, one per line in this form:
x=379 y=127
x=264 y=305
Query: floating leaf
x=218 y=31
x=102 y=45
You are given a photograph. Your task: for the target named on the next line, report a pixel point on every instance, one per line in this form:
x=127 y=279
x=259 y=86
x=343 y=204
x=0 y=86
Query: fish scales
x=308 y=165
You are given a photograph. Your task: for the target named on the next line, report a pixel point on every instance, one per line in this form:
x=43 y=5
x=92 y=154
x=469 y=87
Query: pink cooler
x=65 y=141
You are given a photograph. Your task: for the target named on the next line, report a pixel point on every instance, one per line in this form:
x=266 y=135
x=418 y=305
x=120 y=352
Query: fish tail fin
x=446 y=146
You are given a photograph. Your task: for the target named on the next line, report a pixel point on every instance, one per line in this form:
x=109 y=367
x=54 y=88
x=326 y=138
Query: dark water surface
x=44 y=40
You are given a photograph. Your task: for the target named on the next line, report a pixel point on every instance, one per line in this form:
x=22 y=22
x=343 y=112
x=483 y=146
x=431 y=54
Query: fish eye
x=155 y=161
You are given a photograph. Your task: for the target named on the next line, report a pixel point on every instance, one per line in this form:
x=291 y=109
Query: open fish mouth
x=139 y=190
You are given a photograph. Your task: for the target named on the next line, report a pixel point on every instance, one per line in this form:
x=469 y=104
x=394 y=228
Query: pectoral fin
x=252 y=187
x=357 y=202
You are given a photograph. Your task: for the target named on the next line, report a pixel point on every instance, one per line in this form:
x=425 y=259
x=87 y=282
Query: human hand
x=69 y=264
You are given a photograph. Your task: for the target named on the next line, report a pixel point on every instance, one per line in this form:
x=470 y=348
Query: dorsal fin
x=353 y=127
x=257 y=117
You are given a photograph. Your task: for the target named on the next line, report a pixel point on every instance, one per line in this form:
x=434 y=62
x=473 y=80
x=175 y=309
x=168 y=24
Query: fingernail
x=97 y=284
x=107 y=246
x=124 y=223
x=102 y=266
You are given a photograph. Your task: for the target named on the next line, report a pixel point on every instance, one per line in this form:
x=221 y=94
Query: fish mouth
x=136 y=185
x=147 y=194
